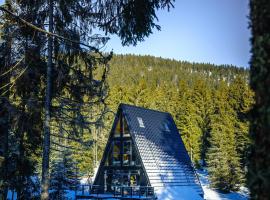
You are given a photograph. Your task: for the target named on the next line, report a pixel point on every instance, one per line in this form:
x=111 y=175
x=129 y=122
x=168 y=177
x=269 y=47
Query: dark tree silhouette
x=259 y=167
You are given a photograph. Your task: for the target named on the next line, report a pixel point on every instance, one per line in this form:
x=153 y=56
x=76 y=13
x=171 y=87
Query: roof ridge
x=139 y=107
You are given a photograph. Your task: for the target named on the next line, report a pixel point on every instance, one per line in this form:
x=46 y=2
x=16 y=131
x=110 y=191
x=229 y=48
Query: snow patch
x=177 y=192
x=212 y=194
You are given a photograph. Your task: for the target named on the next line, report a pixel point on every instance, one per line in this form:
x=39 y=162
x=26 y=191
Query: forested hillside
x=209 y=103
x=59 y=92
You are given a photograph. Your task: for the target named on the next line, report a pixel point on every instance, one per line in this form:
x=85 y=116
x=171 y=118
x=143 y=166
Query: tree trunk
x=46 y=142
x=6 y=157
x=5 y=128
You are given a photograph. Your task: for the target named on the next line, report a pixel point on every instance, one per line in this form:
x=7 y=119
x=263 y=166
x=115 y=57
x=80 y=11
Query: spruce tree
x=241 y=100
x=24 y=125
x=5 y=62
x=223 y=161
x=63 y=175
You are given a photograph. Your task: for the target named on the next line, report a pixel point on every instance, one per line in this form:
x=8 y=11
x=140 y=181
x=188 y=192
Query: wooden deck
x=105 y=196
x=123 y=193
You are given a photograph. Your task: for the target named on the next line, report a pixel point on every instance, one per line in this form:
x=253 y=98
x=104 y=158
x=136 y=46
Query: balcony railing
x=143 y=192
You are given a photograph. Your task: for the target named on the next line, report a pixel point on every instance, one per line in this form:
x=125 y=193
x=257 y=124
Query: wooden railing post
x=82 y=189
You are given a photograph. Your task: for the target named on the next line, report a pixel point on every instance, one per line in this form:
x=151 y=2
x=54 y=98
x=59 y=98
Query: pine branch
x=13 y=82
x=63 y=146
x=57 y=150
x=67 y=138
x=12 y=67
x=50 y=34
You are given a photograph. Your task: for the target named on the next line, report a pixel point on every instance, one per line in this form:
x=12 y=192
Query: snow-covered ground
x=177 y=192
x=174 y=194
x=211 y=194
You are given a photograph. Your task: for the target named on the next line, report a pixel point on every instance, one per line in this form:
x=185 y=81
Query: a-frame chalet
x=145 y=149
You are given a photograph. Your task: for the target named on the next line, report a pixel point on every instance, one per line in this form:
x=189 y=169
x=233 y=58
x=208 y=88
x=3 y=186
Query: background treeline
x=209 y=103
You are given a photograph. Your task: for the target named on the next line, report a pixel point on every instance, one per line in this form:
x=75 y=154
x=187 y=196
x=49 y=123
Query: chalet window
x=109 y=158
x=117 y=178
x=117 y=129
x=134 y=158
x=126 y=132
x=140 y=120
x=167 y=129
x=133 y=180
x=125 y=179
x=127 y=152
x=116 y=153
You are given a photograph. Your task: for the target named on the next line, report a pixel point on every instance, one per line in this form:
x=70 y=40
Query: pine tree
x=202 y=100
x=5 y=63
x=63 y=175
x=24 y=116
x=191 y=131
x=241 y=100
x=223 y=161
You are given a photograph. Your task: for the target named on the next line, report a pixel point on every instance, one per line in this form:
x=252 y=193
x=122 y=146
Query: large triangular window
x=122 y=165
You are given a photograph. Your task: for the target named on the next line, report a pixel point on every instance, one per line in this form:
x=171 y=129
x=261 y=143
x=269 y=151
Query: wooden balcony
x=118 y=192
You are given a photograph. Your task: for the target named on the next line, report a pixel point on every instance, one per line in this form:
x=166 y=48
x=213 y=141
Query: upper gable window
x=117 y=129
x=167 y=129
x=140 y=120
x=125 y=127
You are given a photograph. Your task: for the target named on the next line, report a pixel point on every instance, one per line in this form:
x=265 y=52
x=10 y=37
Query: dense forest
x=209 y=103
x=59 y=94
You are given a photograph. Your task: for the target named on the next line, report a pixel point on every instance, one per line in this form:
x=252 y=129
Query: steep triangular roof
x=160 y=147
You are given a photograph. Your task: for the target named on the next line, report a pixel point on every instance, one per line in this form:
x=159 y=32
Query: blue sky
x=214 y=31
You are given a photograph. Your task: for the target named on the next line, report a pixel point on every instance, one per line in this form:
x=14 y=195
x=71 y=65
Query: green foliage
x=222 y=158
x=73 y=91
x=209 y=104
x=63 y=175
x=135 y=19
x=21 y=131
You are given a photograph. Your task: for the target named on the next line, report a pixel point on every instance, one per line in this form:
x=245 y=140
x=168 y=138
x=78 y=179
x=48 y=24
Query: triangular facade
x=145 y=149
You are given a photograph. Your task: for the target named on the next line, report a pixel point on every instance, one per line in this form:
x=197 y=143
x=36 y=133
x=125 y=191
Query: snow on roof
x=177 y=192
x=161 y=149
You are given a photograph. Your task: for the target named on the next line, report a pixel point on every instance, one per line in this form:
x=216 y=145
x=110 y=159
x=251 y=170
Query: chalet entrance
x=120 y=178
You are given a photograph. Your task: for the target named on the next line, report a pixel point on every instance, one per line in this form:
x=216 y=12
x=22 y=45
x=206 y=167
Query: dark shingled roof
x=161 y=148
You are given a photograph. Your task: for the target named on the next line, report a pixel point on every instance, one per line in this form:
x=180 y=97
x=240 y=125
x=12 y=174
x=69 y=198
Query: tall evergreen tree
x=222 y=159
x=23 y=103
x=5 y=63
x=241 y=100
x=63 y=175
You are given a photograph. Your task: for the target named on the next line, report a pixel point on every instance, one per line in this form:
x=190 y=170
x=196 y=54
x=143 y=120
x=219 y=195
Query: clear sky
x=214 y=31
